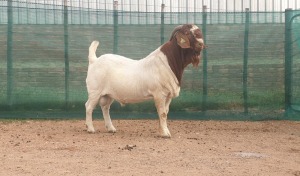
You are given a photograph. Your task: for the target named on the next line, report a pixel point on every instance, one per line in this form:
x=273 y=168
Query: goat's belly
x=131 y=101
x=131 y=97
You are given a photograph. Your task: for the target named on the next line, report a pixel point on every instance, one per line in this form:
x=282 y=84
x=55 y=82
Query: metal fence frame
x=116 y=17
x=290 y=17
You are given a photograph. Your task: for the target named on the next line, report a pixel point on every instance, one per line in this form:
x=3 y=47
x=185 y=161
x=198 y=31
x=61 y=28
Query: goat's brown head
x=189 y=37
x=183 y=48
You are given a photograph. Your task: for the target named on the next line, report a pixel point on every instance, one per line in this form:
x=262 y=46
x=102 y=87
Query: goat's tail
x=92 y=51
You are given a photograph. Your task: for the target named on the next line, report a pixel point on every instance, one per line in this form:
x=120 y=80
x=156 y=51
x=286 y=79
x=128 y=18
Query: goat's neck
x=176 y=58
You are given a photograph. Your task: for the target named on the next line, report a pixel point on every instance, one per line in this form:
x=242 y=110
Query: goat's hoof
x=91 y=130
x=111 y=129
x=165 y=134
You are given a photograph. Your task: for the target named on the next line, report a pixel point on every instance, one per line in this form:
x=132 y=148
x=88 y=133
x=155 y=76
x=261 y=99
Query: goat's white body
x=132 y=81
x=113 y=77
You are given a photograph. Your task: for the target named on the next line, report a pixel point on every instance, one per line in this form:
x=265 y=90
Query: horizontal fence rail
x=136 y=12
x=171 y=5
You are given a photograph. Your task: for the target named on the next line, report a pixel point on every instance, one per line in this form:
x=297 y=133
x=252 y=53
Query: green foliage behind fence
x=38 y=72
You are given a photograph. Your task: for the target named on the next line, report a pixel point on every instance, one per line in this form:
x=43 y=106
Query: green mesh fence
x=296 y=68
x=293 y=61
x=43 y=62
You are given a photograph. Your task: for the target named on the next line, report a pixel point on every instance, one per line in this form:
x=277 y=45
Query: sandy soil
x=38 y=147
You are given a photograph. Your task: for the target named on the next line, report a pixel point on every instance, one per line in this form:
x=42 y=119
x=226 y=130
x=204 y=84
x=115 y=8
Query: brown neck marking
x=178 y=58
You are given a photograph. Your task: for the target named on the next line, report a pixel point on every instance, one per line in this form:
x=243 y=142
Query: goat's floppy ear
x=182 y=40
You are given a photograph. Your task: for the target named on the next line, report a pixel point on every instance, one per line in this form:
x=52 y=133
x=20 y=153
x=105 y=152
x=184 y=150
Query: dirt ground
x=63 y=147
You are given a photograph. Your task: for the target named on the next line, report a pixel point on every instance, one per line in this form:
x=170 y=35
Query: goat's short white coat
x=132 y=81
x=113 y=77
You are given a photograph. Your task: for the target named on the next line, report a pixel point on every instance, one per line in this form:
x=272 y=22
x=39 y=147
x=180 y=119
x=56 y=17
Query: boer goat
x=157 y=76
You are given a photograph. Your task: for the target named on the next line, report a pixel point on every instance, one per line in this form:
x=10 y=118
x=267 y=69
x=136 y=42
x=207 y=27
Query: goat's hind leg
x=105 y=102
x=89 y=107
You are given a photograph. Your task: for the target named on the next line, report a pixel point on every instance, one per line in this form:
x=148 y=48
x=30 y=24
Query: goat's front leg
x=168 y=102
x=162 y=111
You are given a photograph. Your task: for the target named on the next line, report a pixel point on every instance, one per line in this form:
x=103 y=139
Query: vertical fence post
x=89 y=11
x=204 y=98
x=245 y=63
x=66 y=47
x=162 y=24
x=36 y=12
x=147 y=21
x=10 y=74
x=288 y=61
x=115 y=50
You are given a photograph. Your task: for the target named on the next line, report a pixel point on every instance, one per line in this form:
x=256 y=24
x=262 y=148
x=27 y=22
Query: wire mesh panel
x=296 y=61
x=44 y=62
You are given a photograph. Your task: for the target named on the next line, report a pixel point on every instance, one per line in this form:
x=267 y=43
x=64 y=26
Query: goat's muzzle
x=197 y=53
